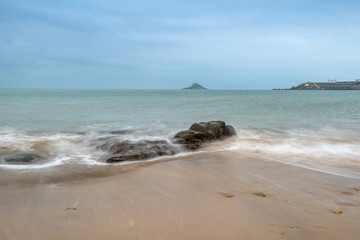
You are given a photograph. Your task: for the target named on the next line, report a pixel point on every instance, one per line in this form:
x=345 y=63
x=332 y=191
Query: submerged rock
x=142 y=150
x=121 y=132
x=202 y=132
x=23 y=158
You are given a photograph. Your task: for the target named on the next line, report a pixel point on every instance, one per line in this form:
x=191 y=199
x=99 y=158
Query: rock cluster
x=118 y=151
x=191 y=139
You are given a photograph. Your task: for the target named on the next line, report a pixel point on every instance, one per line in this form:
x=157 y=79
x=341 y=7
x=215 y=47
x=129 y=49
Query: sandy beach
x=199 y=196
x=179 y=120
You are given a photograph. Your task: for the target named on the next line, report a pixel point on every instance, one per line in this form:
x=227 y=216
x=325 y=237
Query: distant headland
x=329 y=85
x=195 y=86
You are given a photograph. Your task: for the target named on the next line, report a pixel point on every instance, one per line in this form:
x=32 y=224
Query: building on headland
x=331 y=84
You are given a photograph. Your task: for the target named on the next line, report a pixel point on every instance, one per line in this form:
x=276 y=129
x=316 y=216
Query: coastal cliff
x=346 y=85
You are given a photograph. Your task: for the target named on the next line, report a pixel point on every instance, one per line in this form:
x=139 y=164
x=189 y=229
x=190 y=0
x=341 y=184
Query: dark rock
x=214 y=129
x=195 y=86
x=191 y=140
x=230 y=131
x=142 y=150
x=132 y=157
x=202 y=132
x=23 y=158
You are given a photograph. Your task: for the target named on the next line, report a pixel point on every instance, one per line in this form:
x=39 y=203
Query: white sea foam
x=57 y=148
x=300 y=146
x=326 y=147
x=65 y=148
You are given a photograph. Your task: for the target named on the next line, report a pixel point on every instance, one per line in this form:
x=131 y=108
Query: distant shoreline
x=331 y=85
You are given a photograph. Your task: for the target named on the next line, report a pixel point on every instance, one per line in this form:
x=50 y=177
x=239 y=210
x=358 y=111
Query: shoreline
x=201 y=196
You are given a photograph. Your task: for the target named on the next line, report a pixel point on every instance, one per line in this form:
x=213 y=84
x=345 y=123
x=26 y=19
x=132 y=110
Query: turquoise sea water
x=319 y=128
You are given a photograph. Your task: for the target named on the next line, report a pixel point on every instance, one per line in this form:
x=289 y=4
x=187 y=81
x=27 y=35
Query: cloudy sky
x=163 y=44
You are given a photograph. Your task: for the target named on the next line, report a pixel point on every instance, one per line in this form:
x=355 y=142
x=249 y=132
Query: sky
x=164 y=44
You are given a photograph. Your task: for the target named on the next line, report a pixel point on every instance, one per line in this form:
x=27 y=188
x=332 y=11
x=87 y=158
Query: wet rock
x=191 y=140
x=214 y=129
x=142 y=150
x=230 y=131
x=202 y=132
x=23 y=158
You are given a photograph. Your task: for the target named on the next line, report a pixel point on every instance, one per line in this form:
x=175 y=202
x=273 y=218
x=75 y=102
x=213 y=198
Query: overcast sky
x=171 y=44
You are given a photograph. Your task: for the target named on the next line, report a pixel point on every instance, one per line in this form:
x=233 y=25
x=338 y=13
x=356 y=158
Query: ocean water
x=314 y=129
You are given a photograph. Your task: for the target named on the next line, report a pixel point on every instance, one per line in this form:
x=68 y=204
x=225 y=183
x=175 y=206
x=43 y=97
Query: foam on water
x=321 y=147
x=65 y=126
x=78 y=148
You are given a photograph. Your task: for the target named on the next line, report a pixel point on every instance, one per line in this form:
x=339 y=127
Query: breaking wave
x=324 y=147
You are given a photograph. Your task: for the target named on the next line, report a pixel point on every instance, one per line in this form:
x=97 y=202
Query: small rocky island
x=195 y=86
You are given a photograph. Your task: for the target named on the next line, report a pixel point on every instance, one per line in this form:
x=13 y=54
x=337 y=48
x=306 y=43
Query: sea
x=318 y=130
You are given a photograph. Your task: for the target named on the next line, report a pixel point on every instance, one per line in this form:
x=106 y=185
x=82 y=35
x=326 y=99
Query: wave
x=323 y=147
x=327 y=147
x=71 y=148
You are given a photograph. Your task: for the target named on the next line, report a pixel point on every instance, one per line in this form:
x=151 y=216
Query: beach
x=126 y=120
x=198 y=196
x=291 y=172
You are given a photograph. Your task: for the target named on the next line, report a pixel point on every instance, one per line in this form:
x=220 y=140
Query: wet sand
x=202 y=196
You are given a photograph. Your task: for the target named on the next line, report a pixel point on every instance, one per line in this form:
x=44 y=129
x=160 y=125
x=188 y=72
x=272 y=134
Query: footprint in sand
x=227 y=195
x=259 y=194
x=337 y=211
x=72 y=208
x=290 y=226
x=348 y=204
